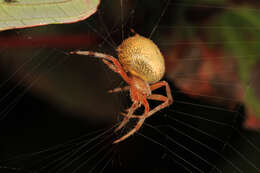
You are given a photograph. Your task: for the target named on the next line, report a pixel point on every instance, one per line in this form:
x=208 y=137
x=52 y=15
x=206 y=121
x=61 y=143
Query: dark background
x=68 y=99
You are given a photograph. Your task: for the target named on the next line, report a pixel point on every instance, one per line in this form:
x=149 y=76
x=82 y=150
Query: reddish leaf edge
x=43 y=24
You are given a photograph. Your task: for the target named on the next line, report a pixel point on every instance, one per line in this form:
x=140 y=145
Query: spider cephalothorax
x=141 y=65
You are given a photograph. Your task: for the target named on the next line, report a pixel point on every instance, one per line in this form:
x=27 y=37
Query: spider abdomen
x=141 y=57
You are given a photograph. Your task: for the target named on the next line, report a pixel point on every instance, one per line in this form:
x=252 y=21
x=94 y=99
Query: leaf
x=243 y=44
x=30 y=13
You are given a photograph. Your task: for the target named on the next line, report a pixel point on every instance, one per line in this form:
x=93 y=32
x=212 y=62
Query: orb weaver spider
x=141 y=65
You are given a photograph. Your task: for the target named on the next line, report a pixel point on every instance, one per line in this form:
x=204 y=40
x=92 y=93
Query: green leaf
x=29 y=13
x=243 y=43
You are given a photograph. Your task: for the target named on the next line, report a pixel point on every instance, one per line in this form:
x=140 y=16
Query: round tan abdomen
x=141 y=57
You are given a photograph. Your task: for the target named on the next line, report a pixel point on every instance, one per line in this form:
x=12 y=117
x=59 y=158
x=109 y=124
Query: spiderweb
x=56 y=115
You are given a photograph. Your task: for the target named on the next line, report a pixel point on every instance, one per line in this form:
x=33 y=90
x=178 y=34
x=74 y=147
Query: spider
x=141 y=65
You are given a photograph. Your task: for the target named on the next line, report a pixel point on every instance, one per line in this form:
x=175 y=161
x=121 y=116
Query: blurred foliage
x=225 y=29
x=246 y=50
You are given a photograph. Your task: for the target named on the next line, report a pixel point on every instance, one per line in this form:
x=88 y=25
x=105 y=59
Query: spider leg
x=139 y=123
x=166 y=100
x=126 y=88
x=146 y=115
x=154 y=110
x=131 y=132
x=115 y=65
x=131 y=110
x=161 y=84
x=110 y=65
x=143 y=117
